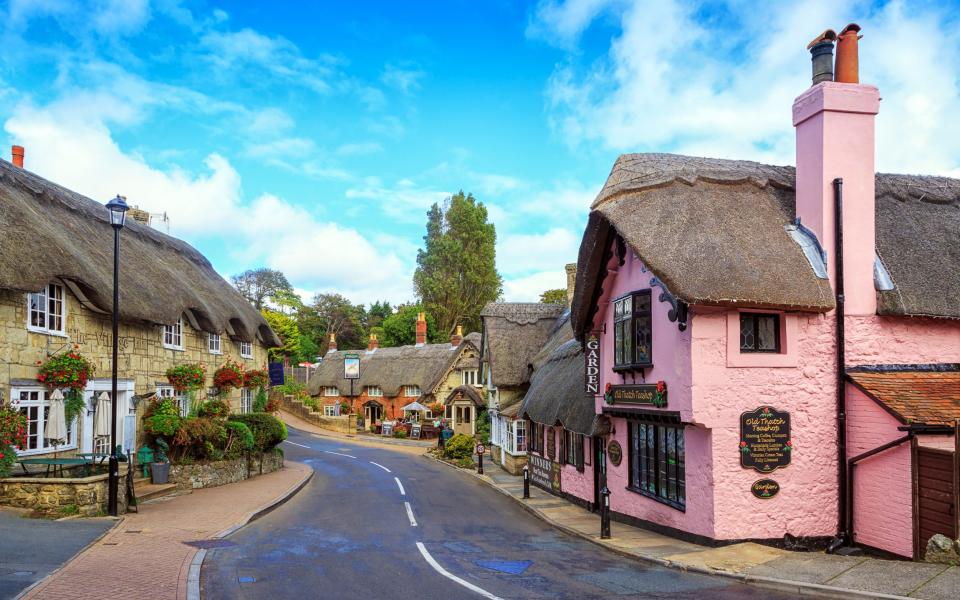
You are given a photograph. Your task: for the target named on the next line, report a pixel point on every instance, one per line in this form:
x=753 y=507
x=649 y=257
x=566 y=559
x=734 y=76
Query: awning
x=917 y=395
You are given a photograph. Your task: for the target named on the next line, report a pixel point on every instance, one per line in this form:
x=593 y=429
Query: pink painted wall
x=882 y=487
x=573 y=482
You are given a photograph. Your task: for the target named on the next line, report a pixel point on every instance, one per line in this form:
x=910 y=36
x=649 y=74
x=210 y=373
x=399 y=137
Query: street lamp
x=118 y=213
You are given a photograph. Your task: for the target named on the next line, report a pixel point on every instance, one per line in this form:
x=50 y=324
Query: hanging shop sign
x=351 y=366
x=545 y=473
x=652 y=394
x=592 y=365
x=765 y=439
x=551 y=444
x=614 y=453
x=275 y=372
x=765 y=488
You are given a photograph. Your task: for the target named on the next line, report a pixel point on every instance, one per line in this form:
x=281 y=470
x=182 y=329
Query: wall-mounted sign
x=551 y=444
x=275 y=371
x=592 y=365
x=545 y=473
x=765 y=488
x=653 y=394
x=351 y=366
x=765 y=439
x=615 y=453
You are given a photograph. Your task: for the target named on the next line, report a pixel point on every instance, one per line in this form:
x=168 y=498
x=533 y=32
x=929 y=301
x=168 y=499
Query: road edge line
x=436 y=567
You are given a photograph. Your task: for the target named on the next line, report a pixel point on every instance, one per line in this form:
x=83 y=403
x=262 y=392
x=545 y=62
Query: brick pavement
x=146 y=557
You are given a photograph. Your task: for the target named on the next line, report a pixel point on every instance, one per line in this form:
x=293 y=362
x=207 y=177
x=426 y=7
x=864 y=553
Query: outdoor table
x=53 y=463
x=92 y=456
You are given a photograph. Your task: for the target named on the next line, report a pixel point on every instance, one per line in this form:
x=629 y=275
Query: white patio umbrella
x=101 y=419
x=415 y=407
x=55 y=426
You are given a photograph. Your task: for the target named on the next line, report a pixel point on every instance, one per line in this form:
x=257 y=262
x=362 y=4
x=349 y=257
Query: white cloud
x=523 y=253
x=407 y=80
x=669 y=83
x=404 y=202
x=529 y=288
x=105 y=17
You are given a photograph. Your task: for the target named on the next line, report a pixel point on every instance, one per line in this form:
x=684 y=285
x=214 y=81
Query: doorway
x=599 y=469
x=372 y=412
x=99 y=441
x=936 y=502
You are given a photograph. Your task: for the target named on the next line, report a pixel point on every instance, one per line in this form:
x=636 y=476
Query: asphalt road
x=348 y=534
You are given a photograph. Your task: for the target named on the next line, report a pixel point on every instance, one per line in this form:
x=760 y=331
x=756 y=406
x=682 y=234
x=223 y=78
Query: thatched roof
x=713 y=231
x=51 y=232
x=556 y=394
x=392 y=368
x=465 y=392
x=514 y=333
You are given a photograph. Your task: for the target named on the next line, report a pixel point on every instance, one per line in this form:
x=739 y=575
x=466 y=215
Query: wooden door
x=936 y=504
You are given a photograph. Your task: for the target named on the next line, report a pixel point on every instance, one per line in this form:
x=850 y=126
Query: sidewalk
x=805 y=573
x=148 y=554
x=402 y=445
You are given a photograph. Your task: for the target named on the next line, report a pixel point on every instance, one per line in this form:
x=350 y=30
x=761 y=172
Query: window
x=246 y=400
x=374 y=391
x=463 y=414
x=515 y=437
x=32 y=403
x=521 y=439
x=173 y=335
x=213 y=343
x=536 y=437
x=470 y=377
x=411 y=391
x=46 y=311
x=572 y=449
x=246 y=349
x=759 y=332
x=329 y=410
x=448 y=412
x=657 y=462
x=632 y=332
x=331 y=391
x=182 y=400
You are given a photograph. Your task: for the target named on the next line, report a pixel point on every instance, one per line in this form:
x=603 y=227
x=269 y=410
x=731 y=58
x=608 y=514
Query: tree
x=257 y=285
x=456 y=270
x=286 y=328
x=557 y=296
x=377 y=313
x=400 y=328
x=332 y=313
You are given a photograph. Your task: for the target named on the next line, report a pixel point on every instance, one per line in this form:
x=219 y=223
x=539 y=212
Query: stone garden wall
x=341 y=424
x=86 y=496
x=213 y=474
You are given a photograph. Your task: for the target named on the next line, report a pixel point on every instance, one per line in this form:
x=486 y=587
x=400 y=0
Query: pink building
x=737 y=407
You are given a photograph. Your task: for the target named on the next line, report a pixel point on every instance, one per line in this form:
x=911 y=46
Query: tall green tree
x=456 y=269
x=400 y=328
x=557 y=296
x=257 y=285
x=333 y=313
x=286 y=328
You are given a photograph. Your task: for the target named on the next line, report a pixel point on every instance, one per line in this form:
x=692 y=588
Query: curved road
x=349 y=534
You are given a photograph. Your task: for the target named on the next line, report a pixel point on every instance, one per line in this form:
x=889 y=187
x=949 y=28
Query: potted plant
x=186 y=377
x=160 y=467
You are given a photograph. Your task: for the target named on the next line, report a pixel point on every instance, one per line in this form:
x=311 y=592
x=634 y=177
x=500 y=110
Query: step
x=148 y=491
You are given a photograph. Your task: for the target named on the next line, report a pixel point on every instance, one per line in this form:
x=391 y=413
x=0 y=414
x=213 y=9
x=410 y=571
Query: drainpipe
x=848 y=526
x=843 y=533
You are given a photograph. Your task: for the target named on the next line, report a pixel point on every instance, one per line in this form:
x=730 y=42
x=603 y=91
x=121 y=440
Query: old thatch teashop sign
x=591 y=375
x=654 y=394
x=765 y=439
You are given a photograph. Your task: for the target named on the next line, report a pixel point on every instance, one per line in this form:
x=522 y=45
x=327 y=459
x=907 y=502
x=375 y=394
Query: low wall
x=62 y=494
x=341 y=424
x=513 y=464
x=223 y=472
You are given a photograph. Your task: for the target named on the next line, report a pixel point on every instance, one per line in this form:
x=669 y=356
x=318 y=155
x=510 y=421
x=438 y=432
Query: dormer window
x=759 y=332
x=411 y=391
x=331 y=391
x=632 y=332
x=246 y=349
x=46 y=311
x=213 y=343
x=374 y=391
x=470 y=377
x=173 y=335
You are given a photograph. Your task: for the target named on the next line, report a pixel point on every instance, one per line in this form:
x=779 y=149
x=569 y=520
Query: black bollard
x=113 y=485
x=480 y=464
x=526 y=482
x=604 y=513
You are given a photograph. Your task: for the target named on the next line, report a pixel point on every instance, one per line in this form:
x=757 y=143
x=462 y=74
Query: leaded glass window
x=759 y=332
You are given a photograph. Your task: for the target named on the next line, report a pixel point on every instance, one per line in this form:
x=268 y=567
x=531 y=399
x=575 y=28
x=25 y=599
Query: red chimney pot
x=17 y=156
x=848 y=62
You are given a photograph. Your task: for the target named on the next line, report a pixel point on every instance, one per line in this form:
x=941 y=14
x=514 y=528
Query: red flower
x=607 y=387
x=743 y=444
x=661 y=386
x=790 y=443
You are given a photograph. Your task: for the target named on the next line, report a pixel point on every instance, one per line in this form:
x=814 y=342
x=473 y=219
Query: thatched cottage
x=391 y=378
x=56 y=286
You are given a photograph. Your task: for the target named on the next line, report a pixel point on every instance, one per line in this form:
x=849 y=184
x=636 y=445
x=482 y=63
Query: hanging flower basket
x=13 y=433
x=256 y=378
x=230 y=375
x=66 y=371
x=187 y=377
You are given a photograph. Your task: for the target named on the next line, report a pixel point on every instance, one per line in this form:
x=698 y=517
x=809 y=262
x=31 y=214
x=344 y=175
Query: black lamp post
x=118 y=213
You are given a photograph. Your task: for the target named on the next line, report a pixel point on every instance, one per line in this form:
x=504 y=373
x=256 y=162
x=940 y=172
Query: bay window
x=46 y=311
x=657 y=462
x=515 y=437
x=632 y=331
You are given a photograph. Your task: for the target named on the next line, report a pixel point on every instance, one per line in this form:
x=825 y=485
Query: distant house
x=391 y=378
x=56 y=295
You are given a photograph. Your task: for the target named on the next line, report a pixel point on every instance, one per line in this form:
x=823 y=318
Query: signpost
x=480 y=450
x=351 y=370
x=765 y=443
x=592 y=364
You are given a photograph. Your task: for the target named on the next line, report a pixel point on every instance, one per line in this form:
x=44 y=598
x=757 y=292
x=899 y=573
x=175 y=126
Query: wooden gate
x=936 y=502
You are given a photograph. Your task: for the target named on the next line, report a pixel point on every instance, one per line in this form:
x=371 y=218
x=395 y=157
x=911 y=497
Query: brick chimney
x=571 y=282
x=332 y=346
x=17 y=152
x=373 y=343
x=835 y=138
x=421 y=329
x=457 y=336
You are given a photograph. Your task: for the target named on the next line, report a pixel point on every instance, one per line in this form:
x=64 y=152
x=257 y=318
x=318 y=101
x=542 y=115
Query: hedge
x=268 y=431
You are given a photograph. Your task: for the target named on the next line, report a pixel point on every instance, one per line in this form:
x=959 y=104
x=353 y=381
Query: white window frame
x=59 y=300
x=214 y=343
x=42 y=403
x=412 y=391
x=181 y=399
x=173 y=335
x=470 y=377
x=329 y=410
x=374 y=391
x=330 y=391
x=515 y=437
x=246 y=400
x=246 y=349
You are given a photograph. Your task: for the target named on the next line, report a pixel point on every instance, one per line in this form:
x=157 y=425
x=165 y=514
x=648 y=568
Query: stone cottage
x=56 y=290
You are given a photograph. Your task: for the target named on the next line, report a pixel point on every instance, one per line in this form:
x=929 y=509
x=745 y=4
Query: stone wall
x=214 y=474
x=342 y=424
x=56 y=494
x=508 y=462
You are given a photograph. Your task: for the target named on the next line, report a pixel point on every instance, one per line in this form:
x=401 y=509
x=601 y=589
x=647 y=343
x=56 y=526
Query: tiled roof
x=916 y=397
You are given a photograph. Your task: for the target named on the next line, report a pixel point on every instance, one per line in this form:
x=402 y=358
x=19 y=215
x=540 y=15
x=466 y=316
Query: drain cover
x=210 y=544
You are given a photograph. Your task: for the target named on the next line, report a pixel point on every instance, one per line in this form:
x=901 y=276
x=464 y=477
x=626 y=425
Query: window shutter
x=579 y=452
x=563 y=446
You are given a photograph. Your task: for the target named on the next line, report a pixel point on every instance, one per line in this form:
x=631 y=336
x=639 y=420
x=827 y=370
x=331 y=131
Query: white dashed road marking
x=381 y=466
x=400 y=485
x=436 y=567
x=339 y=454
x=296 y=444
x=413 y=522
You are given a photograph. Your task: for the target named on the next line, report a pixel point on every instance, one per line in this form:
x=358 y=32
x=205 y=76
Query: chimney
x=821 y=56
x=834 y=124
x=17 y=152
x=332 y=346
x=457 y=337
x=421 y=328
x=571 y=282
x=848 y=60
x=373 y=344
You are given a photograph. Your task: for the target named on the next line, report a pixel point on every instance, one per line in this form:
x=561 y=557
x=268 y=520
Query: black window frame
x=572 y=449
x=630 y=323
x=649 y=472
x=756 y=317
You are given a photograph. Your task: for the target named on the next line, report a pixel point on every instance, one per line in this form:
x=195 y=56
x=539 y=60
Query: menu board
x=415 y=431
x=387 y=428
x=765 y=443
x=545 y=473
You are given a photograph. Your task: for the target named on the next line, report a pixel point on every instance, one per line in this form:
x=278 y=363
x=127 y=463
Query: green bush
x=268 y=431
x=291 y=388
x=260 y=401
x=400 y=433
x=466 y=463
x=483 y=426
x=239 y=440
x=162 y=418
x=459 y=446
x=200 y=438
x=214 y=408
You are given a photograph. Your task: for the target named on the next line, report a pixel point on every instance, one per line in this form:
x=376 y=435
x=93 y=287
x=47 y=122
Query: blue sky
x=312 y=137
